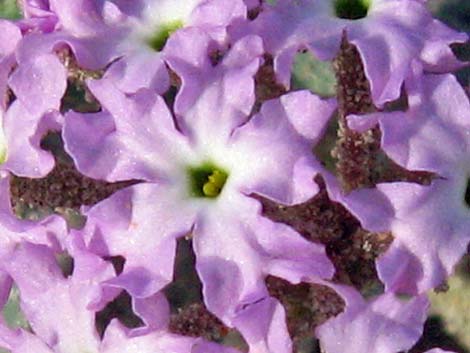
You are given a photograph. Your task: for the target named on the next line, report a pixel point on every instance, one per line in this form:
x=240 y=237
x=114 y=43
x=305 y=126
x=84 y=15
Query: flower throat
x=206 y=180
x=158 y=40
x=351 y=9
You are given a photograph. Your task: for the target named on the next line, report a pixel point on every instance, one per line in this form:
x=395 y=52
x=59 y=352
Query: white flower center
x=162 y=18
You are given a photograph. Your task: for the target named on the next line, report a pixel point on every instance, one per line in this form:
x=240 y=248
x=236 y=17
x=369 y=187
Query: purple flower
x=40 y=79
x=37 y=16
x=22 y=154
x=38 y=88
x=198 y=178
x=7 y=62
x=129 y=35
x=263 y=326
x=151 y=22
x=35 y=8
x=61 y=311
x=384 y=324
x=389 y=34
x=32 y=114
x=431 y=223
x=11 y=36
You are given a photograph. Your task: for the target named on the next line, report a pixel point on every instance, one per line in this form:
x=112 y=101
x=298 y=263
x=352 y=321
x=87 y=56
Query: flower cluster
x=160 y=123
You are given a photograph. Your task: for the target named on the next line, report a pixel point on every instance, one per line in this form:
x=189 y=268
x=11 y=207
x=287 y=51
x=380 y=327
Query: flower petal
x=277 y=148
x=24 y=132
x=154 y=311
x=57 y=308
x=429 y=239
x=40 y=83
x=263 y=325
x=232 y=276
x=385 y=324
x=213 y=100
x=145 y=236
x=137 y=139
x=141 y=70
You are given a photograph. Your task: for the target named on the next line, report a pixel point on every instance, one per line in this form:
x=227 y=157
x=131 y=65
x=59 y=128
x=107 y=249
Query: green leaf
x=314 y=75
x=9 y=9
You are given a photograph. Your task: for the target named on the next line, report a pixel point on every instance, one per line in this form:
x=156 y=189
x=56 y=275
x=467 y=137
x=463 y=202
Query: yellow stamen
x=214 y=184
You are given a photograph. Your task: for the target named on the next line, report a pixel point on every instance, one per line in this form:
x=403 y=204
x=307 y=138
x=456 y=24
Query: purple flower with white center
x=388 y=34
x=198 y=181
x=151 y=22
x=431 y=223
x=61 y=311
x=130 y=35
x=385 y=324
x=196 y=71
